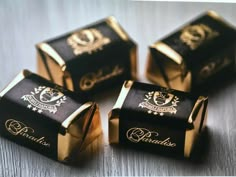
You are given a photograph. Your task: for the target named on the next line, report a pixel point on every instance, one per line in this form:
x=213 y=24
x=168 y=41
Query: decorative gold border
x=192 y=134
x=15 y=81
x=113 y=23
x=113 y=116
x=168 y=51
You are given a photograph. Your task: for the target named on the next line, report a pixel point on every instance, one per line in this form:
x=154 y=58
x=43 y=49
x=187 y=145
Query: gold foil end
x=94 y=128
x=53 y=54
x=219 y=18
x=153 y=72
x=182 y=83
x=114 y=114
x=112 y=22
x=168 y=51
x=68 y=82
x=167 y=73
x=213 y=14
x=114 y=130
x=133 y=62
x=75 y=114
x=197 y=119
x=80 y=129
x=124 y=92
x=51 y=67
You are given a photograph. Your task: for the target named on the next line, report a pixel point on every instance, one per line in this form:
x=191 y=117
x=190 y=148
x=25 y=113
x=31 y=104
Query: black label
x=153 y=136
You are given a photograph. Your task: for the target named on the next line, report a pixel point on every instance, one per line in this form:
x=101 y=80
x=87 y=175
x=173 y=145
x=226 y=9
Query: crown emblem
x=87 y=40
x=44 y=98
x=196 y=35
x=160 y=102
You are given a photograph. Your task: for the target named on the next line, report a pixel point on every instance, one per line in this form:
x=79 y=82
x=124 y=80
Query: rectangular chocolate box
x=200 y=53
x=90 y=59
x=45 y=117
x=157 y=118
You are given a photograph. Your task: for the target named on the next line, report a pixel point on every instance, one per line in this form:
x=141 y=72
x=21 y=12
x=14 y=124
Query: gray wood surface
x=25 y=23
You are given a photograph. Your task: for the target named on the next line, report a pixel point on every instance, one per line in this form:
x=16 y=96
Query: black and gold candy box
x=90 y=59
x=157 y=118
x=45 y=117
x=200 y=53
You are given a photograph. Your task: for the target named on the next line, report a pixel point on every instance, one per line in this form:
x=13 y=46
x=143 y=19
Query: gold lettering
x=18 y=128
x=89 y=80
x=137 y=135
x=216 y=64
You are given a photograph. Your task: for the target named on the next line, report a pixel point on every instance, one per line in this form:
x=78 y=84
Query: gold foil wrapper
x=167 y=63
x=53 y=67
x=199 y=115
x=81 y=128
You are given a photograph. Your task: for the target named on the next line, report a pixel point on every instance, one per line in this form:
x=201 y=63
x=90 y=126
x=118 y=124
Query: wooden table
x=25 y=23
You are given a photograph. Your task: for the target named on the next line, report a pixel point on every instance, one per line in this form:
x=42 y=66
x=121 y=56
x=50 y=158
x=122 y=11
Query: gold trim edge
x=218 y=17
x=15 y=81
x=69 y=144
x=154 y=79
x=68 y=81
x=124 y=92
x=113 y=23
x=67 y=122
x=94 y=127
x=113 y=116
x=168 y=51
x=53 y=54
x=191 y=135
x=133 y=62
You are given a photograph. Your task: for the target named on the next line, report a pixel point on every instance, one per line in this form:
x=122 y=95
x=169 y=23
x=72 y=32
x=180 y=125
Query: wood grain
x=25 y=23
